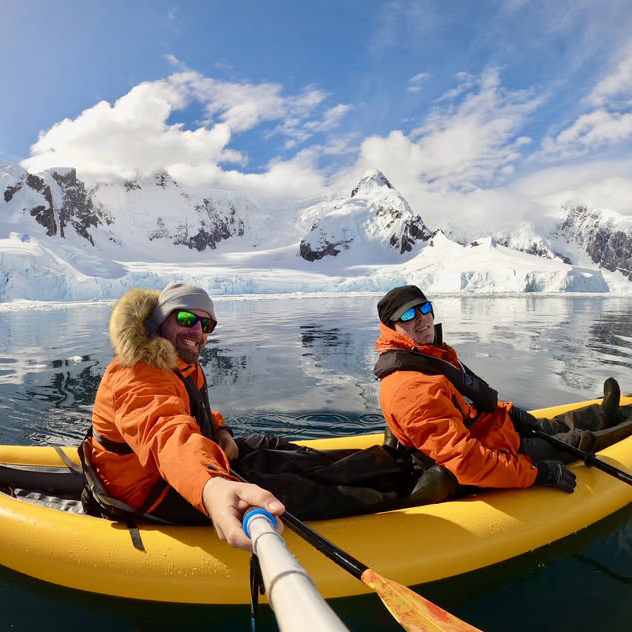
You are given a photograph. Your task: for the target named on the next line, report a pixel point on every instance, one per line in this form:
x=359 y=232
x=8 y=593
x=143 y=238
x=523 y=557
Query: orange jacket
x=143 y=403
x=428 y=413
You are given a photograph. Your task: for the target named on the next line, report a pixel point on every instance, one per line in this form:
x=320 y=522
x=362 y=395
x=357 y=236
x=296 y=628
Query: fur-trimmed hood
x=129 y=335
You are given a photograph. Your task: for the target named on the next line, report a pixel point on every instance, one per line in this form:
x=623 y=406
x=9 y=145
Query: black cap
x=395 y=302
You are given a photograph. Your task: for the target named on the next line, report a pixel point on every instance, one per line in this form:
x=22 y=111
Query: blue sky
x=478 y=110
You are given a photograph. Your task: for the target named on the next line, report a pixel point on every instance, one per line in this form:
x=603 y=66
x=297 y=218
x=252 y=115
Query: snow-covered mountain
x=61 y=240
x=606 y=237
x=56 y=200
x=376 y=217
x=133 y=218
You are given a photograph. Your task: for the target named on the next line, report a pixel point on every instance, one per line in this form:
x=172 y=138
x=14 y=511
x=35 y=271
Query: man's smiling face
x=188 y=341
x=420 y=329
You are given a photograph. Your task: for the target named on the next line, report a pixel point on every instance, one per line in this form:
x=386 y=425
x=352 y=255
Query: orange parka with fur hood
x=428 y=413
x=143 y=403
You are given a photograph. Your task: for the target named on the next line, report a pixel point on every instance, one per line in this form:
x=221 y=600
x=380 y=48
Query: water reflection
x=280 y=363
x=222 y=368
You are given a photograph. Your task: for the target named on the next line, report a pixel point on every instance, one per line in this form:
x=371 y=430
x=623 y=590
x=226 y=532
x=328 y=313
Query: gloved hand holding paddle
x=523 y=422
x=555 y=474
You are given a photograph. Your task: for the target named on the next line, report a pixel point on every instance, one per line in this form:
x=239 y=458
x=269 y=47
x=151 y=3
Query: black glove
x=555 y=474
x=523 y=421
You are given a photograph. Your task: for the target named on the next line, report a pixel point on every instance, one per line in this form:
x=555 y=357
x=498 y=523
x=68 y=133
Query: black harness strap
x=96 y=500
x=464 y=380
x=199 y=404
x=134 y=533
x=73 y=467
x=118 y=447
x=121 y=448
x=256 y=588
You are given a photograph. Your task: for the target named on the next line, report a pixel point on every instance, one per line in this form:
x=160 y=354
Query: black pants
x=586 y=428
x=312 y=484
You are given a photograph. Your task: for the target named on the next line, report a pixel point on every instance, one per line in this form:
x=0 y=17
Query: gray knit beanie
x=179 y=295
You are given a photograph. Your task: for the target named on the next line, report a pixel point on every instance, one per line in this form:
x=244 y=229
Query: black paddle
x=588 y=458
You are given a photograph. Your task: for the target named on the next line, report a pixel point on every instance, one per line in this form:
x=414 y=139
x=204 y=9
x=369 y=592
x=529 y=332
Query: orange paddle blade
x=412 y=611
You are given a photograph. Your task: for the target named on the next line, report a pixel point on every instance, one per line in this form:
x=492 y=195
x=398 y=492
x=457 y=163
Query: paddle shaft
x=588 y=457
x=296 y=603
x=340 y=557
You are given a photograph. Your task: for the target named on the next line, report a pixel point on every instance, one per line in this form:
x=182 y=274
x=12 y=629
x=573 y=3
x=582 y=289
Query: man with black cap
x=433 y=403
x=155 y=448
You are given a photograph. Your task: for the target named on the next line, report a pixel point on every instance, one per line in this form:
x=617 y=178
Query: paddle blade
x=412 y=611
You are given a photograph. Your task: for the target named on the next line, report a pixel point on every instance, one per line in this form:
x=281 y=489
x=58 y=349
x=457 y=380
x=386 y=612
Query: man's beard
x=187 y=354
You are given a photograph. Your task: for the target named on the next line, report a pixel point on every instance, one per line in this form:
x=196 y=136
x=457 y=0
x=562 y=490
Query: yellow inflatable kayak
x=190 y=565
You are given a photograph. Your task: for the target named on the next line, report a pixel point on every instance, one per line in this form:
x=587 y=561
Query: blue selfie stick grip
x=251 y=513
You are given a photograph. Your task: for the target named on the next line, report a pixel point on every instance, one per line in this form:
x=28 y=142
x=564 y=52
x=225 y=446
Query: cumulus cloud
x=131 y=136
x=137 y=135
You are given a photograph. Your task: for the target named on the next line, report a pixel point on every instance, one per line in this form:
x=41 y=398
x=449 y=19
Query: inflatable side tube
x=50 y=480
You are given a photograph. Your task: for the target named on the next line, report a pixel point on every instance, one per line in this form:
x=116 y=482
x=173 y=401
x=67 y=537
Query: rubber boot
x=390 y=440
x=610 y=403
x=593 y=417
x=434 y=486
x=609 y=436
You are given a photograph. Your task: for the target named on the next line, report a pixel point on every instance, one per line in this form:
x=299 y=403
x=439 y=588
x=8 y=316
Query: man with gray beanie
x=155 y=449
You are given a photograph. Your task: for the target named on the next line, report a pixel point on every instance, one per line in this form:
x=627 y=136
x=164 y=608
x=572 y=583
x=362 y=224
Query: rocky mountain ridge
x=375 y=215
x=159 y=216
x=131 y=214
x=605 y=238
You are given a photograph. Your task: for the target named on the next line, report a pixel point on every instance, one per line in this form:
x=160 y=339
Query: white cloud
x=616 y=84
x=138 y=135
x=599 y=184
x=466 y=82
x=589 y=132
x=415 y=83
x=596 y=128
x=608 y=123
x=331 y=119
x=175 y=62
x=458 y=146
x=131 y=136
x=295 y=178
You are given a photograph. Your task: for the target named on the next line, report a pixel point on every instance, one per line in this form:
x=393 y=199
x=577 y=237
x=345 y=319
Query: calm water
x=302 y=367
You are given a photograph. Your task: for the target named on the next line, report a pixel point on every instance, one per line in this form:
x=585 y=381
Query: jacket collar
x=129 y=336
x=390 y=339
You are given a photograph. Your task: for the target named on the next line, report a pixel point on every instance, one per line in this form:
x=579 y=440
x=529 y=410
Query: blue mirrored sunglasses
x=409 y=314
